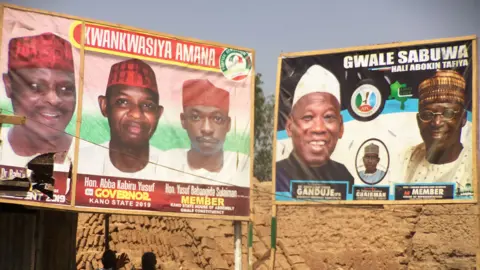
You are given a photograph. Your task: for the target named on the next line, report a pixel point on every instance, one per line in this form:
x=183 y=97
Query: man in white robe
x=371 y=175
x=441 y=157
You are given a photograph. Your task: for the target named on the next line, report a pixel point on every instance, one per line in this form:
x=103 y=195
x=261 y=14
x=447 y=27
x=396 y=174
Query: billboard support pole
x=250 y=245
x=237 y=226
x=273 y=236
x=107 y=231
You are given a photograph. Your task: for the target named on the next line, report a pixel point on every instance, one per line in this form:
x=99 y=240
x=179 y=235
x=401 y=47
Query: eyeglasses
x=447 y=114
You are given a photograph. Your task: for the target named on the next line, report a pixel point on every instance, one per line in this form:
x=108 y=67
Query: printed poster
x=40 y=80
x=165 y=124
x=161 y=124
x=376 y=125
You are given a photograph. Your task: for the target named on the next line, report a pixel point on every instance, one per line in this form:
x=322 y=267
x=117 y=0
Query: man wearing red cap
x=206 y=119
x=40 y=83
x=131 y=104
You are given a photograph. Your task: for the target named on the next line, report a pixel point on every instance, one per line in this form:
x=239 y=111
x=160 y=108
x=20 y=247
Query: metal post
x=238 y=245
x=273 y=237
x=107 y=232
x=250 y=245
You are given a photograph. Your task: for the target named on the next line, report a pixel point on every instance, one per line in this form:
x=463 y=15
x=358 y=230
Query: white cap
x=317 y=79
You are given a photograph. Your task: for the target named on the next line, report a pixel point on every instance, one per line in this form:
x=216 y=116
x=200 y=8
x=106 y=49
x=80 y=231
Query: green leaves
x=264 y=117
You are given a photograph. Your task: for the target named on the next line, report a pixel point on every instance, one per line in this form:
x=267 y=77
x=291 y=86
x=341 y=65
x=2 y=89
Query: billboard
x=40 y=80
x=383 y=124
x=145 y=122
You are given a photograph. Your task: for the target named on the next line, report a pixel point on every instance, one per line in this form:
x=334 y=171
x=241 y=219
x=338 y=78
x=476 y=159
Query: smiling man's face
x=315 y=125
x=132 y=112
x=45 y=96
x=437 y=131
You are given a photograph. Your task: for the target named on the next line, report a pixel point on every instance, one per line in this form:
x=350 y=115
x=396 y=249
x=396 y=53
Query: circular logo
x=235 y=64
x=366 y=100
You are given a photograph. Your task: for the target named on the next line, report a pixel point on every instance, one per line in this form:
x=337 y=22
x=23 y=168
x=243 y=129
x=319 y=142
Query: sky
x=274 y=26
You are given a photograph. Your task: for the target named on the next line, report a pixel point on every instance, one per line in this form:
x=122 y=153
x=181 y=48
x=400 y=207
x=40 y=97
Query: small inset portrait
x=372 y=161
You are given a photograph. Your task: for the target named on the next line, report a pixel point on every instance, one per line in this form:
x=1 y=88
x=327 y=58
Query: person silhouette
x=109 y=260
x=149 y=261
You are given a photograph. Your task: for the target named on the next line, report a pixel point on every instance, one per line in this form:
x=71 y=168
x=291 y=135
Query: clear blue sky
x=273 y=26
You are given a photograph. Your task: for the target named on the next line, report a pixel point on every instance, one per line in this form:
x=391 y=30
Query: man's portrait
x=441 y=157
x=40 y=82
x=314 y=126
x=371 y=174
x=131 y=105
x=207 y=121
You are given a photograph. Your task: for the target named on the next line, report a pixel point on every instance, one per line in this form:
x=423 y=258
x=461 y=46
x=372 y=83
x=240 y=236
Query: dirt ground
x=309 y=237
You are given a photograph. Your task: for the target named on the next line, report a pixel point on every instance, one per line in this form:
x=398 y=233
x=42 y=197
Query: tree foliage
x=264 y=110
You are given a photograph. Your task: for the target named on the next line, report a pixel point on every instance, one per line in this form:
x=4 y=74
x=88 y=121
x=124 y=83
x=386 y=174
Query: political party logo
x=400 y=92
x=466 y=191
x=235 y=64
x=366 y=102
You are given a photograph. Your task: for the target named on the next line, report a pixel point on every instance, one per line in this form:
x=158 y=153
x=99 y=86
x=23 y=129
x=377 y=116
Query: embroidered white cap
x=317 y=79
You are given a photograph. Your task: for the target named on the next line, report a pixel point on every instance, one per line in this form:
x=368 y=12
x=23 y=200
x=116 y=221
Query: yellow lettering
x=203 y=200
x=122 y=194
x=197 y=200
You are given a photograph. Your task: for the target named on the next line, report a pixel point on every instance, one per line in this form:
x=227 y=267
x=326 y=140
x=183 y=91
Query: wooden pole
x=79 y=116
x=12 y=119
x=476 y=168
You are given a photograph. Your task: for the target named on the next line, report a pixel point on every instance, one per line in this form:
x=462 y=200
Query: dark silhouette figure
x=149 y=261
x=109 y=260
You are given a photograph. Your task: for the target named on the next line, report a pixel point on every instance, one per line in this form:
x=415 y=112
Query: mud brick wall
x=309 y=237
